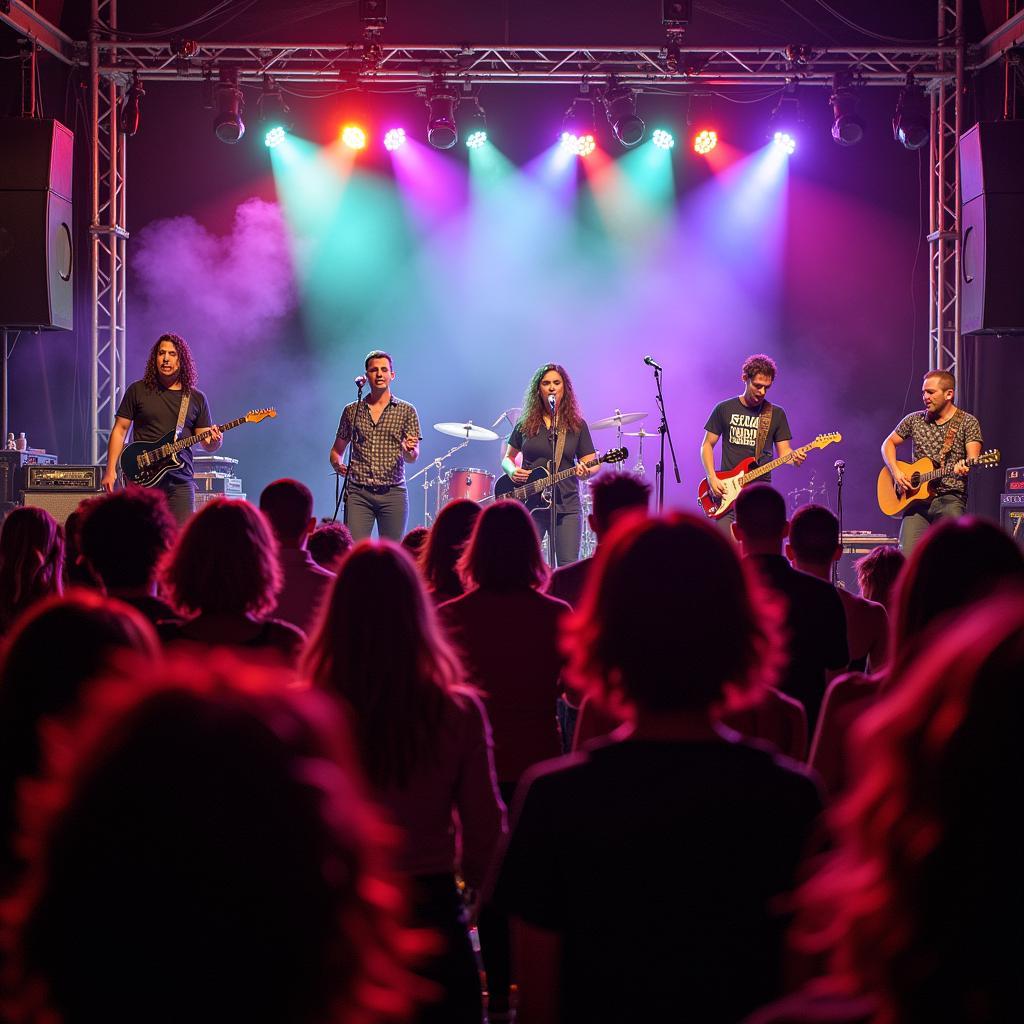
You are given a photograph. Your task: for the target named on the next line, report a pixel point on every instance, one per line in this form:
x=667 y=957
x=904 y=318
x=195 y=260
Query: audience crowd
x=250 y=770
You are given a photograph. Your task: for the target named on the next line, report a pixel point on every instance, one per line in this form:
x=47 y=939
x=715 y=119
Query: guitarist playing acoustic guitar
x=947 y=436
x=749 y=427
x=152 y=407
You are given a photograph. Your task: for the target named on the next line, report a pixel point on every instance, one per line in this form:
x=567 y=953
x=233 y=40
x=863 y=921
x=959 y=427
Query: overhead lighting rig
x=229 y=104
x=847 y=125
x=619 y=103
x=442 y=99
x=911 y=124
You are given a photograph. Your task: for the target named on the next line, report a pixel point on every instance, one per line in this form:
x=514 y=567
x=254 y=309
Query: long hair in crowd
x=378 y=646
x=225 y=560
x=204 y=852
x=503 y=552
x=877 y=573
x=671 y=619
x=31 y=560
x=921 y=901
x=188 y=375
x=445 y=544
x=531 y=419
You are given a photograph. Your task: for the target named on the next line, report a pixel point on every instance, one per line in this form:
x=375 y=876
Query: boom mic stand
x=341 y=490
x=663 y=430
x=840 y=467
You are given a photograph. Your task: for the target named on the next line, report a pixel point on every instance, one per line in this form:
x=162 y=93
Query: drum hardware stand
x=428 y=483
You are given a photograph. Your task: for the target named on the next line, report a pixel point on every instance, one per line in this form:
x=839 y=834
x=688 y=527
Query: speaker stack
x=36 y=239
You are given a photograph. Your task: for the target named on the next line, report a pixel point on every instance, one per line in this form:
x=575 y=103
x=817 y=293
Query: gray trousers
x=942 y=506
x=568 y=532
x=389 y=510
x=182 y=499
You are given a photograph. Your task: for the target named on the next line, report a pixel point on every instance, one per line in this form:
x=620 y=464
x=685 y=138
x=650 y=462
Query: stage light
x=474 y=126
x=273 y=112
x=785 y=142
x=911 y=124
x=353 y=136
x=578 y=131
x=785 y=121
x=442 y=131
x=847 y=125
x=620 y=109
x=228 y=125
x=705 y=141
x=274 y=137
x=394 y=139
x=662 y=139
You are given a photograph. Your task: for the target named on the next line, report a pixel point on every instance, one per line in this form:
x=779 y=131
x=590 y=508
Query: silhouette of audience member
x=288 y=506
x=329 y=543
x=415 y=540
x=953 y=566
x=209 y=858
x=444 y=547
x=78 y=632
x=424 y=743
x=223 y=573
x=814 y=547
x=124 y=535
x=641 y=873
x=877 y=573
x=76 y=572
x=920 y=902
x=31 y=561
x=815 y=620
x=611 y=493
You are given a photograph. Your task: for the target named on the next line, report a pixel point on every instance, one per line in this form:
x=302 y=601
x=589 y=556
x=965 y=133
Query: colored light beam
x=431 y=185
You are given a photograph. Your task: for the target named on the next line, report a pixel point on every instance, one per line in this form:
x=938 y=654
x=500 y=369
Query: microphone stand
x=553 y=490
x=840 y=467
x=341 y=490
x=663 y=430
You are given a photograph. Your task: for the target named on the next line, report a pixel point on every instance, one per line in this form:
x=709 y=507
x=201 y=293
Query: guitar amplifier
x=60 y=502
x=62 y=478
x=218 y=483
x=12 y=470
x=1011 y=515
x=202 y=497
x=1015 y=479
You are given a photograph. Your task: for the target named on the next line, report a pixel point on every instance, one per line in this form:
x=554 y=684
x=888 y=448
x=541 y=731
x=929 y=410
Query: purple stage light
x=394 y=139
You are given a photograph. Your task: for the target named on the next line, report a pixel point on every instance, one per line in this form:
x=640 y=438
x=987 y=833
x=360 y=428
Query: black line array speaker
x=36 y=240
x=991 y=228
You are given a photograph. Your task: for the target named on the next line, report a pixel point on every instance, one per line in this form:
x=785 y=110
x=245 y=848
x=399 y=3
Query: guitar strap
x=947 y=441
x=559 y=451
x=762 y=430
x=182 y=413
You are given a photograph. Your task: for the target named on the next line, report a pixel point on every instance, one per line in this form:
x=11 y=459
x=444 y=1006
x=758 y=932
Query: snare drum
x=475 y=484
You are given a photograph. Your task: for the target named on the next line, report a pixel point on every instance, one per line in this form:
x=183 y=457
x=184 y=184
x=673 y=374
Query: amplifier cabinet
x=12 y=470
x=62 y=478
x=856 y=544
x=59 y=503
x=202 y=497
x=1011 y=515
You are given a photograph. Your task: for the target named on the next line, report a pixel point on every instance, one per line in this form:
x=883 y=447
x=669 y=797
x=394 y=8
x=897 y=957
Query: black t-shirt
x=537 y=452
x=657 y=863
x=155 y=413
x=736 y=424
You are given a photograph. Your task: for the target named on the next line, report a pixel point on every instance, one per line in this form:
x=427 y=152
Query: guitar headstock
x=257 y=415
x=826 y=439
x=989 y=458
x=615 y=455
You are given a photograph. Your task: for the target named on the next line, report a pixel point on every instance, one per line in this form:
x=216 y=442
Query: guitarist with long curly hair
x=550 y=408
x=152 y=408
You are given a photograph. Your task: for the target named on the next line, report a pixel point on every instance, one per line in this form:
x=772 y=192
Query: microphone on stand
x=360 y=381
x=839 y=466
x=551 y=402
x=649 y=360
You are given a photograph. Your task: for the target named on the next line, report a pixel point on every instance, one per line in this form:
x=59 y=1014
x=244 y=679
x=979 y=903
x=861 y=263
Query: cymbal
x=617 y=420
x=639 y=433
x=467 y=431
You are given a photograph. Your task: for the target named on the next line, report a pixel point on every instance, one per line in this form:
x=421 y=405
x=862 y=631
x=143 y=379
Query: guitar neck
x=753 y=474
x=935 y=474
x=538 y=485
x=187 y=442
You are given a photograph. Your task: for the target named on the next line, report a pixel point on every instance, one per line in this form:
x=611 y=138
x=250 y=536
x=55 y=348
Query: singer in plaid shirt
x=384 y=433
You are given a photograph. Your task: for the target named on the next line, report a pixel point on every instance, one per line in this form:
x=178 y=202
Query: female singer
x=550 y=409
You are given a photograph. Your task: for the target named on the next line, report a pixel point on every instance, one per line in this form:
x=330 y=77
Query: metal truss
x=107 y=261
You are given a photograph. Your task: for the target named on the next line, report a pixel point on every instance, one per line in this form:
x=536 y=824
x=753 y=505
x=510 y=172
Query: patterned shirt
x=377 y=447
x=929 y=437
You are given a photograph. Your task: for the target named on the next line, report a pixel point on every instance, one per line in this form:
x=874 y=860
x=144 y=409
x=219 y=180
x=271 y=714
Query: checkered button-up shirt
x=377 y=447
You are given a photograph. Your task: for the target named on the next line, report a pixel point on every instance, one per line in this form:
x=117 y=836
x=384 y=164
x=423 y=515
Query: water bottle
x=22 y=443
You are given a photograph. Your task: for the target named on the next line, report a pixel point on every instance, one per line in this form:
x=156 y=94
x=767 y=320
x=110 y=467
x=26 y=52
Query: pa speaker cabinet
x=36 y=240
x=992 y=225
x=60 y=504
x=1011 y=516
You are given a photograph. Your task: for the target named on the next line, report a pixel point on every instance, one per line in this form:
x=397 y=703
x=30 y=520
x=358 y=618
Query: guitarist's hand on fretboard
x=961 y=468
x=212 y=438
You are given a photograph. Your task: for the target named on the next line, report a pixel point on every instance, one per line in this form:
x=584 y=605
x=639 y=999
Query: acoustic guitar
x=922 y=474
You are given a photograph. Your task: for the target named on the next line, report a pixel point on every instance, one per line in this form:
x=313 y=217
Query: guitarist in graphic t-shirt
x=151 y=408
x=738 y=422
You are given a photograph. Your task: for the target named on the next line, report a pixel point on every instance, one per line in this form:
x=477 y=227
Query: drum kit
x=478 y=484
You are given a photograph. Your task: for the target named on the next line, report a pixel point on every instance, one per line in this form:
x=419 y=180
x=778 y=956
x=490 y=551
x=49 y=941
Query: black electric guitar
x=147 y=463
x=535 y=492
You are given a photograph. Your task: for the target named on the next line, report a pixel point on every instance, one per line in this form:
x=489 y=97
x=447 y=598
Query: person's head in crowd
x=288 y=506
x=877 y=572
x=224 y=561
x=613 y=493
x=393 y=675
x=31 y=561
x=329 y=543
x=675 y=576
x=77 y=572
x=813 y=541
x=54 y=650
x=956 y=563
x=444 y=547
x=761 y=524
x=415 y=540
x=503 y=552
x=6 y=508
x=210 y=857
x=124 y=535
x=919 y=902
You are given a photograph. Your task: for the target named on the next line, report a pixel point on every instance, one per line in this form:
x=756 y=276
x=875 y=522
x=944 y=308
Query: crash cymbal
x=639 y=433
x=468 y=431
x=617 y=420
